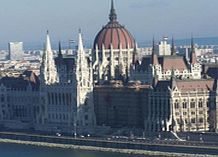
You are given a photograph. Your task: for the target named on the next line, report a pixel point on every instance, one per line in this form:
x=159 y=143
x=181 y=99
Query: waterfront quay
x=156 y=145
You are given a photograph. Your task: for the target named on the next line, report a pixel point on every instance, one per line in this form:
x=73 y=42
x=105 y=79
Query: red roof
x=191 y=85
x=173 y=62
x=115 y=34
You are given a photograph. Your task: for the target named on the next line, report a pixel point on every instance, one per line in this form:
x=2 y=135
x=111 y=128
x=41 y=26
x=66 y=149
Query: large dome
x=114 y=33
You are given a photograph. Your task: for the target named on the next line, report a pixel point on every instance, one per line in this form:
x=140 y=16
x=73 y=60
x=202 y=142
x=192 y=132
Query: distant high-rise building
x=164 y=48
x=15 y=50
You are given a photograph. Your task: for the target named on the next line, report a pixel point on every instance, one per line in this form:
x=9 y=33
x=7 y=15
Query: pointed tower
x=195 y=67
x=84 y=87
x=60 y=55
x=154 y=59
x=81 y=60
x=193 y=58
x=113 y=15
x=48 y=69
x=173 y=49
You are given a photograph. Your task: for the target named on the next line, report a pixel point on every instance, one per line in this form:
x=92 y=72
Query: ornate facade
x=182 y=106
x=157 y=93
x=161 y=67
x=19 y=101
x=67 y=103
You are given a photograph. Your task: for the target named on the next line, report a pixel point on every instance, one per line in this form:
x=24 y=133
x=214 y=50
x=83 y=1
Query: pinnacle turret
x=48 y=68
x=59 y=51
x=173 y=50
x=154 y=55
x=193 y=58
x=80 y=42
x=48 y=43
x=81 y=58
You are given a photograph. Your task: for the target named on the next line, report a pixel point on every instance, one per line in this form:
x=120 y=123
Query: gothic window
x=192 y=104
x=84 y=82
x=193 y=120
x=176 y=104
x=52 y=98
x=49 y=98
x=63 y=98
x=208 y=102
x=200 y=103
x=184 y=105
x=192 y=113
x=86 y=117
x=184 y=113
x=201 y=112
x=56 y=98
x=201 y=120
x=86 y=102
x=59 y=95
x=8 y=98
x=70 y=98
x=178 y=121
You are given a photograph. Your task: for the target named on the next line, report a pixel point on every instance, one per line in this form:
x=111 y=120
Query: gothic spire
x=193 y=58
x=192 y=44
x=154 y=55
x=80 y=42
x=153 y=46
x=113 y=15
x=48 y=68
x=173 y=50
x=59 y=52
x=82 y=62
x=48 y=43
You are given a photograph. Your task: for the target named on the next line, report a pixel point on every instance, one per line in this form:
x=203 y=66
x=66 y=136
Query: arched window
x=184 y=104
x=176 y=104
x=192 y=104
x=200 y=103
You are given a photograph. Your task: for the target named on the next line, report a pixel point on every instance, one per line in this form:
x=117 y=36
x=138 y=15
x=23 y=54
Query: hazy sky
x=28 y=20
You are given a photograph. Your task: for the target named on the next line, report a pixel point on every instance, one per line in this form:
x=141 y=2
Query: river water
x=17 y=150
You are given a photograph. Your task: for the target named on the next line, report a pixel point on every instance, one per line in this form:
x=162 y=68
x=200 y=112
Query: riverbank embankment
x=106 y=146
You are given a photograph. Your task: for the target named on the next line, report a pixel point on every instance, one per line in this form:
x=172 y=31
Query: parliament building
x=111 y=89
